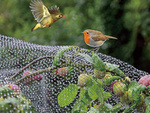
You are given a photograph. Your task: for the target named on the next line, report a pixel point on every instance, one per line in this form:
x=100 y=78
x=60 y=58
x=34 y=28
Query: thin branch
x=35 y=73
x=21 y=70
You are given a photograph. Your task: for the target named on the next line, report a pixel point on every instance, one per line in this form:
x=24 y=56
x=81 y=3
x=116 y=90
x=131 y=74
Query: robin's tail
x=36 y=26
x=110 y=37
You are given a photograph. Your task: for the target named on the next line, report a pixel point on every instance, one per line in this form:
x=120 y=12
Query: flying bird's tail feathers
x=36 y=26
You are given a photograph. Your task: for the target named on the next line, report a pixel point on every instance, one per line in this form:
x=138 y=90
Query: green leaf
x=76 y=106
x=86 y=57
x=107 y=81
x=12 y=100
x=5 y=91
x=93 y=110
x=67 y=95
x=59 y=54
x=106 y=95
x=97 y=90
x=136 y=92
x=92 y=91
x=147 y=100
x=105 y=108
x=119 y=72
x=147 y=108
x=116 y=108
x=84 y=97
x=110 y=66
x=133 y=84
x=97 y=62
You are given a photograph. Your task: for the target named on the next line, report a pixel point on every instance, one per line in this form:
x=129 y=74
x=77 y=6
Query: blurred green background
x=128 y=20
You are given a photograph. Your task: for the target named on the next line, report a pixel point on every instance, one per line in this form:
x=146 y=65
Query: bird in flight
x=43 y=15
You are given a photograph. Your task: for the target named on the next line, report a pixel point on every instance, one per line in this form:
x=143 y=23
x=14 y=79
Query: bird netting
x=45 y=73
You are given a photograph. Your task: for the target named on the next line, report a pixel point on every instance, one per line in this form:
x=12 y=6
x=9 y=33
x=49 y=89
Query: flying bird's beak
x=63 y=16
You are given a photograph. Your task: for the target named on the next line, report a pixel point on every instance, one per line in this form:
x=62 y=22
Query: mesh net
x=15 y=54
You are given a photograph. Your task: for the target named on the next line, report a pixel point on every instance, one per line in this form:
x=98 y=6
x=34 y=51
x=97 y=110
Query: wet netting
x=65 y=79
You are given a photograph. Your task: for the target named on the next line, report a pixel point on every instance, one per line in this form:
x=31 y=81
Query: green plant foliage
x=67 y=95
x=147 y=108
x=12 y=101
x=93 y=110
x=93 y=92
x=107 y=81
x=86 y=57
x=97 y=62
x=59 y=54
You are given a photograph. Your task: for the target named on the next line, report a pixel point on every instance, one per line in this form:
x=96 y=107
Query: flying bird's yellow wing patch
x=39 y=10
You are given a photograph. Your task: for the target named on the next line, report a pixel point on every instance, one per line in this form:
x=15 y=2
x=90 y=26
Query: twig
x=35 y=73
x=29 y=65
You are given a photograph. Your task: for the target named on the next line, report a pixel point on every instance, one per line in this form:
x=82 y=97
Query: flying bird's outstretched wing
x=39 y=10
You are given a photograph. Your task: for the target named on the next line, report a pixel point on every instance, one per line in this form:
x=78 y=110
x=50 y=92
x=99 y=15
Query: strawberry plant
x=88 y=94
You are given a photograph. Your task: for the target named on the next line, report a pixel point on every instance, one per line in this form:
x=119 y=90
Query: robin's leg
x=97 y=49
x=94 y=49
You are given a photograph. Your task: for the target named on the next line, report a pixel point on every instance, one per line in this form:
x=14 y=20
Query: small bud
x=99 y=74
x=31 y=79
x=14 y=87
x=62 y=72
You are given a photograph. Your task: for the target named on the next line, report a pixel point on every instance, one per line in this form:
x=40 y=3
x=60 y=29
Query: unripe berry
x=83 y=80
x=111 y=85
x=117 y=88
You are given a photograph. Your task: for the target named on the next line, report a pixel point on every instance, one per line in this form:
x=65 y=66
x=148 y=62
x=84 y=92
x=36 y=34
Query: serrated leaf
x=4 y=91
x=110 y=66
x=105 y=108
x=147 y=108
x=84 y=97
x=86 y=57
x=67 y=95
x=119 y=72
x=147 y=100
x=12 y=100
x=107 y=81
x=76 y=106
x=59 y=54
x=133 y=84
x=98 y=63
x=93 y=110
x=96 y=90
x=92 y=91
x=106 y=95
x=136 y=92
x=116 y=108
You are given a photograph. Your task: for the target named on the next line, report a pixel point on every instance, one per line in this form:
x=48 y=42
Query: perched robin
x=95 y=38
x=45 y=17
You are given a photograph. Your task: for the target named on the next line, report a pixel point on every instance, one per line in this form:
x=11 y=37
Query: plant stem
x=21 y=70
x=35 y=73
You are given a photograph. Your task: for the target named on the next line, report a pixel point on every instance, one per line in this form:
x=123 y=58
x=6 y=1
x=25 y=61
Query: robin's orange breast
x=87 y=39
